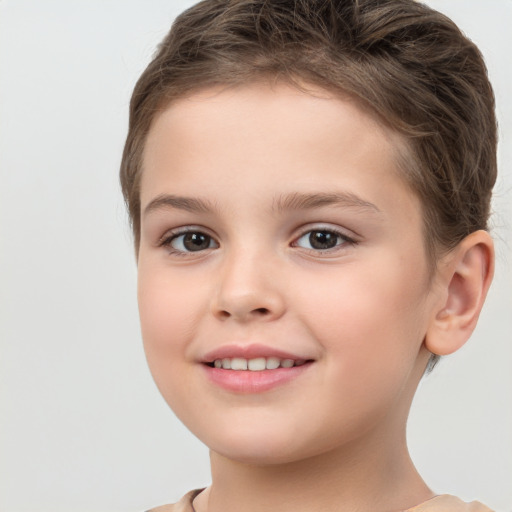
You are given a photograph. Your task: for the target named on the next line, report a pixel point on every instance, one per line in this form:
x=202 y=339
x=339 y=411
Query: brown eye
x=321 y=240
x=192 y=242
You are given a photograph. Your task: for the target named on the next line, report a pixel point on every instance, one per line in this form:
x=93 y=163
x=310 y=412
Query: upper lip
x=249 y=352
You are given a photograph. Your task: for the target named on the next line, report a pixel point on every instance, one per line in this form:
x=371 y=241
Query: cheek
x=169 y=311
x=367 y=319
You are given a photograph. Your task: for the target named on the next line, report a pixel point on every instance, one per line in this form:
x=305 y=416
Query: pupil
x=323 y=240
x=196 y=241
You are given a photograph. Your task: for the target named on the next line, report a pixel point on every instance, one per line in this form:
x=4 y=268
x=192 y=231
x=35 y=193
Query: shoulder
x=184 y=505
x=442 y=503
x=448 y=503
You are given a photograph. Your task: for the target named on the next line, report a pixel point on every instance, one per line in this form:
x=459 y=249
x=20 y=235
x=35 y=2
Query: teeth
x=273 y=363
x=237 y=363
x=257 y=364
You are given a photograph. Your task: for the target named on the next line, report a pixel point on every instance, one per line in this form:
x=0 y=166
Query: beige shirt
x=442 y=503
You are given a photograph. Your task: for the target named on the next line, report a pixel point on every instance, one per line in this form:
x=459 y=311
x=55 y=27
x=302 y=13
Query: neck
x=376 y=480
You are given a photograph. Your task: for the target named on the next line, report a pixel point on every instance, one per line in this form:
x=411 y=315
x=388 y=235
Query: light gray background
x=83 y=427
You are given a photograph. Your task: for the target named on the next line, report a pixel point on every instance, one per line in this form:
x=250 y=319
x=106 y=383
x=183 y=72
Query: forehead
x=265 y=102
x=272 y=137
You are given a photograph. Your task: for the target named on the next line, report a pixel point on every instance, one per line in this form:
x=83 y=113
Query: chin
x=252 y=456
x=253 y=446
x=261 y=447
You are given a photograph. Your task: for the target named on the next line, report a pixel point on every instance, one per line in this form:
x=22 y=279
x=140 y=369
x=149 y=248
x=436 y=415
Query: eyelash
x=341 y=240
x=167 y=240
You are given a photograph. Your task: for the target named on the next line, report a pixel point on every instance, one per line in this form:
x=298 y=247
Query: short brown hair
x=410 y=65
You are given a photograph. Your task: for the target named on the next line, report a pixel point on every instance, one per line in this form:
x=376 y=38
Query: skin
x=363 y=311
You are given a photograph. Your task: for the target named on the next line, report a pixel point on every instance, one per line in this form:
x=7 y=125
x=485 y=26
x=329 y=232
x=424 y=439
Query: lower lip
x=246 y=381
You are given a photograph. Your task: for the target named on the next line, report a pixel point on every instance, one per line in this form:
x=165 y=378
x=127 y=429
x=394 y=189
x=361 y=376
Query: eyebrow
x=296 y=201
x=293 y=201
x=189 y=204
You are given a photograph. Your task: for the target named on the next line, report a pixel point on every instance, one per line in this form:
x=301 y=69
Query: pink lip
x=245 y=381
x=249 y=352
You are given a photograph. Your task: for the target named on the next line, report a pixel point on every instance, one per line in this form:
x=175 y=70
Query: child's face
x=275 y=225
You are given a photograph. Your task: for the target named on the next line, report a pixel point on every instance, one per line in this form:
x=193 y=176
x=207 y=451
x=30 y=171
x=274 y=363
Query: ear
x=464 y=275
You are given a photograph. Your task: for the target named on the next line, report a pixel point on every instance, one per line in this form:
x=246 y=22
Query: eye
x=190 y=241
x=321 y=240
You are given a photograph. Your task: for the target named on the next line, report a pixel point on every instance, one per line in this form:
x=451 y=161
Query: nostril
x=223 y=314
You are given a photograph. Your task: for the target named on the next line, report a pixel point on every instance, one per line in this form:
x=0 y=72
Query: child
x=309 y=185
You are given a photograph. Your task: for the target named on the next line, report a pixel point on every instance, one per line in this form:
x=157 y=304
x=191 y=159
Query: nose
x=248 y=290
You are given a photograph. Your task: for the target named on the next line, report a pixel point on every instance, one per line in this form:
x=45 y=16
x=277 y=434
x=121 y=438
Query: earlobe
x=466 y=276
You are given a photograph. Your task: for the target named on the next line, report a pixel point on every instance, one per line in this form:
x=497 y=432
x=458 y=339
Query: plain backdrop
x=82 y=426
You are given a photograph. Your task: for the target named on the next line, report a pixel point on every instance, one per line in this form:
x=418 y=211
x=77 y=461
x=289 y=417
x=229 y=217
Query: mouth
x=253 y=368
x=256 y=364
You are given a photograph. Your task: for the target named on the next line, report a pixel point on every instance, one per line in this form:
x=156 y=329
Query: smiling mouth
x=256 y=364
x=262 y=369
